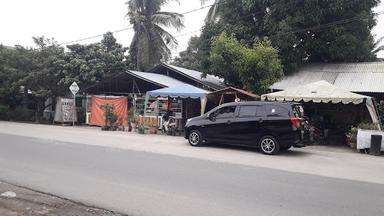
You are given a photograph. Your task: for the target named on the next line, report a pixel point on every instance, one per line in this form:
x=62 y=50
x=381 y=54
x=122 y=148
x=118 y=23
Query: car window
x=225 y=112
x=247 y=111
x=260 y=111
x=275 y=110
x=298 y=111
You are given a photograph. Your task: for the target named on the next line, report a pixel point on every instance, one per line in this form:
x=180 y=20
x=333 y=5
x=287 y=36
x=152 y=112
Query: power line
x=219 y=3
x=198 y=9
x=187 y=33
x=129 y=28
x=321 y=26
x=95 y=36
x=318 y=27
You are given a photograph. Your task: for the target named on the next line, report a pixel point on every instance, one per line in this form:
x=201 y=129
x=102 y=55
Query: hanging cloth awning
x=182 y=91
x=317 y=92
x=323 y=92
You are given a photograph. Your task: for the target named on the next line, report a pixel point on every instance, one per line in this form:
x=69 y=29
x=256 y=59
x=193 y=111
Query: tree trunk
x=25 y=98
x=40 y=106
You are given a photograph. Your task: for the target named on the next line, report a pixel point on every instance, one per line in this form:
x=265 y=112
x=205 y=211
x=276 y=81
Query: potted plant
x=141 y=129
x=351 y=136
x=110 y=117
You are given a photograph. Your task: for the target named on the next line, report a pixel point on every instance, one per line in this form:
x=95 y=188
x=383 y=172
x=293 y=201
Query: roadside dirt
x=31 y=203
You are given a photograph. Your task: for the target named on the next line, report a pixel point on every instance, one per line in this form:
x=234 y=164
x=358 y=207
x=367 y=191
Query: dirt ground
x=31 y=203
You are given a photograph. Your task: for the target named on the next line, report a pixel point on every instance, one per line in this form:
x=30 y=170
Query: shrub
x=4 y=112
x=21 y=114
x=109 y=114
x=352 y=133
x=381 y=112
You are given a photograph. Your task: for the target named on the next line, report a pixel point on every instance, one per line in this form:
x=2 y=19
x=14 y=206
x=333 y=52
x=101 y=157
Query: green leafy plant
x=3 y=112
x=109 y=114
x=21 y=114
x=381 y=112
x=141 y=129
x=352 y=133
x=253 y=68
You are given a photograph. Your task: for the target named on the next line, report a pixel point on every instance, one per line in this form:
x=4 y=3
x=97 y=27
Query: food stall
x=331 y=110
x=180 y=102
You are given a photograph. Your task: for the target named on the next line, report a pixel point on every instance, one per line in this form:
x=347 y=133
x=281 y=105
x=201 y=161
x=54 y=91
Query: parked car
x=269 y=126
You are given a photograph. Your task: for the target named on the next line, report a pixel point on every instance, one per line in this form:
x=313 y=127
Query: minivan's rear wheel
x=195 y=138
x=269 y=145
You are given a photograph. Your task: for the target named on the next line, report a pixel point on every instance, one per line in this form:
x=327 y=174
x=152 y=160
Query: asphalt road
x=142 y=183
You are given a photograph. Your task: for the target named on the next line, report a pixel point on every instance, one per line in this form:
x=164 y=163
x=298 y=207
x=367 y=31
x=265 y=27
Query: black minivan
x=269 y=126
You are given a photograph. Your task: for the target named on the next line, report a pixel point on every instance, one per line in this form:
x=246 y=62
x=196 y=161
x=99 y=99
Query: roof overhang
x=208 y=84
x=317 y=92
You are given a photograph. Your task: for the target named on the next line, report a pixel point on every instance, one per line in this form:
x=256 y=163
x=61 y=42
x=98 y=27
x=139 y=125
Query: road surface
x=19 y=201
x=147 y=183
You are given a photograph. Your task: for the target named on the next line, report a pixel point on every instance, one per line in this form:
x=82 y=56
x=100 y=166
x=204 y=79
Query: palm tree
x=377 y=47
x=213 y=11
x=151 y=43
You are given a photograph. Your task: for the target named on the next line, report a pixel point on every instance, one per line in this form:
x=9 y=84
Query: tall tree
x=254 y=67
x=212 y=14
x=189 y=58
x=15 y=63
x=322 y=31
x=151 y=43
x=303 y=31
x=88 y=64
x=43 y=78
x=46 y=70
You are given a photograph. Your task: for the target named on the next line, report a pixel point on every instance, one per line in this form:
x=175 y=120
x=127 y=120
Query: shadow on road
x=293 y=152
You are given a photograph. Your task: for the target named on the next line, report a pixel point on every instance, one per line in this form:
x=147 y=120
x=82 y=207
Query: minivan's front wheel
x=195 y=138
x=269 y=145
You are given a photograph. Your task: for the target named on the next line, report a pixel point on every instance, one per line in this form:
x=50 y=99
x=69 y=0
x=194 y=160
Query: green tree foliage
x=322 y=31
x=29 y=76
x=212 y=14
x=151 y=43
x=196 y=56
x=189 y=58
x=15 y=63
x=253 y=68
x=88 y=64
x=45 y=72
x=302 y=31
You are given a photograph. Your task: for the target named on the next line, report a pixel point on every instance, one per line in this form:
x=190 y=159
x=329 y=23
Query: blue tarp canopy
x=182 y=91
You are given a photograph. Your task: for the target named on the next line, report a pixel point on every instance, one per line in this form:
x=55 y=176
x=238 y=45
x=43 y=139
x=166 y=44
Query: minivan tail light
x=296 y=122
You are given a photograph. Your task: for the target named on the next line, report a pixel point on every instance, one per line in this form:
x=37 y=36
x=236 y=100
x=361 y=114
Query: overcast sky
x=68 y=20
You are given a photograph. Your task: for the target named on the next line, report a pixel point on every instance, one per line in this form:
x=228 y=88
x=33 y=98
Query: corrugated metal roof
x=355 y=77
x=8 y=47
x=228 y=89
x=157 y=78
x=210 y=79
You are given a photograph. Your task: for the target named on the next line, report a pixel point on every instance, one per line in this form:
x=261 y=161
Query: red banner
x=97 y=112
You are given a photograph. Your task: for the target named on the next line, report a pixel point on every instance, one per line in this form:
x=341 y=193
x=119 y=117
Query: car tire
x=269 y=145
x=195 y=138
